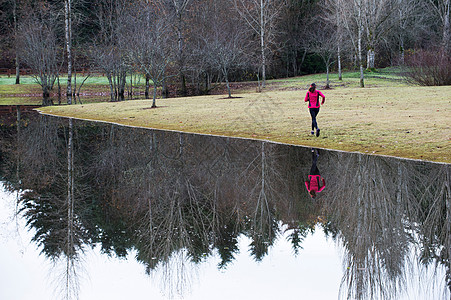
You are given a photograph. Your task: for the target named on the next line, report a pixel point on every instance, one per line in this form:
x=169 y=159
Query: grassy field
x=29 y=92
x=370 y=120
x=388 y=116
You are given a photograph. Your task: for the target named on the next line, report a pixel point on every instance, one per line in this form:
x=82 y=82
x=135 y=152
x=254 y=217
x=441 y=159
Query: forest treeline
x=195 y=44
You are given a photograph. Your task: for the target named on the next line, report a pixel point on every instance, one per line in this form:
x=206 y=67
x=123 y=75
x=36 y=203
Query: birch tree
x=377 y=19
x=410 y=25
x=261 y=16
x=353 y=20
x=334 y=17
x=339 y=37
x=68 y=36
x=441 y=8
x=402 y=20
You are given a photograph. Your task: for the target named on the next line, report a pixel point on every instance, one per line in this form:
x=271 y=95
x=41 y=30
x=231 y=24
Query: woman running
x=312 y=97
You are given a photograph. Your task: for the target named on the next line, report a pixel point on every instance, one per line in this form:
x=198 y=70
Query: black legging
x=314 y=169
x=314 y=112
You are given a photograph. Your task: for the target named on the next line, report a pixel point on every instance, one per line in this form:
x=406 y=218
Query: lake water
x=101 y=211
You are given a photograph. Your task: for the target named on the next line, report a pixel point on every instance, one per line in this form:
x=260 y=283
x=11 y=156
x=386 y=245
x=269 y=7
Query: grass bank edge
x=172 y=115
x=410 y=155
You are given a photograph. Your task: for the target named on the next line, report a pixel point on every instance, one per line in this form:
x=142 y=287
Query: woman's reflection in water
x=313 y=183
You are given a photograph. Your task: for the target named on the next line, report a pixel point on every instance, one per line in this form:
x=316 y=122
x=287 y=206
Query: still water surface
x=115 y=212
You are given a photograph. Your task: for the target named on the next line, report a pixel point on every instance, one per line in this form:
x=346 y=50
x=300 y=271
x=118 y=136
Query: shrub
x=429 y=67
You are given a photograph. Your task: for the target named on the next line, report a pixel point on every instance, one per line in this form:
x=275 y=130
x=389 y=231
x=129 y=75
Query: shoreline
x=244 y=138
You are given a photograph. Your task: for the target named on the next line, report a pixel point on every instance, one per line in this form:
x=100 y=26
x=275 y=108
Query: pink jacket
x=313 y=183
x=313 y=98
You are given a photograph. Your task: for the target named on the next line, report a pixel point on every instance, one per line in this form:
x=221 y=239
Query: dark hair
x=312 y=194
x=312 y=88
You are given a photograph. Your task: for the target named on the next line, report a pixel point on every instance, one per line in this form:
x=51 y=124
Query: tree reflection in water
x=178 y=199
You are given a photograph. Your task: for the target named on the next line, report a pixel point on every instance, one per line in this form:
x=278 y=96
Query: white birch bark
x=442 y=9
x=360 y=29
x=446 y=25
x=340 y=36
x=261 y=16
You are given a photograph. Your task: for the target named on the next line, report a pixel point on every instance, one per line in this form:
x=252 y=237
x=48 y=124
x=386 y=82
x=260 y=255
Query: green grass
x=94 y=79
x=24 y=79
x=20 y=101
x=382 y=77
x=29 y=92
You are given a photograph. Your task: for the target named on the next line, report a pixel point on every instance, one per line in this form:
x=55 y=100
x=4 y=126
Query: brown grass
x=411 y=122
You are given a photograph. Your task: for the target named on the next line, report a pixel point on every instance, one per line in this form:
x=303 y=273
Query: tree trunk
x=15 y=42
x=262 y=42
x=164 y=87
x=327 y=76
x=17 y=69
x=110 y=80
x=446 y=26
x=401 y=51
x=359 y=43
x=70 y=286
x=340 y=76
x=122 y=80
x=74 y=88
x=68 y=23
x=115 y=89
x=46 y=96
x=154 y=102
x=228 y=88
x=183 y=81
x=146 y=93
x=70 y=188
x=370 y=59
x=180 y=48
x=18 y=126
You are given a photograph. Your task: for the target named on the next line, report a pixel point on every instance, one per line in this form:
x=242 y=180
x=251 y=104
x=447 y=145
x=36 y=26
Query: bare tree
x=68 y=36
x=294 y=29
x=409 y=24
x=40 y=50
x=442 y=8
x=223 y=41
x=354 y=22
x=338 y=19
x=177 y=11
x=324 y=43
x=334 y=18
x=108 y=51
x=16 y=32
x=151 y=43
x=377 y=18
x=375 y=258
